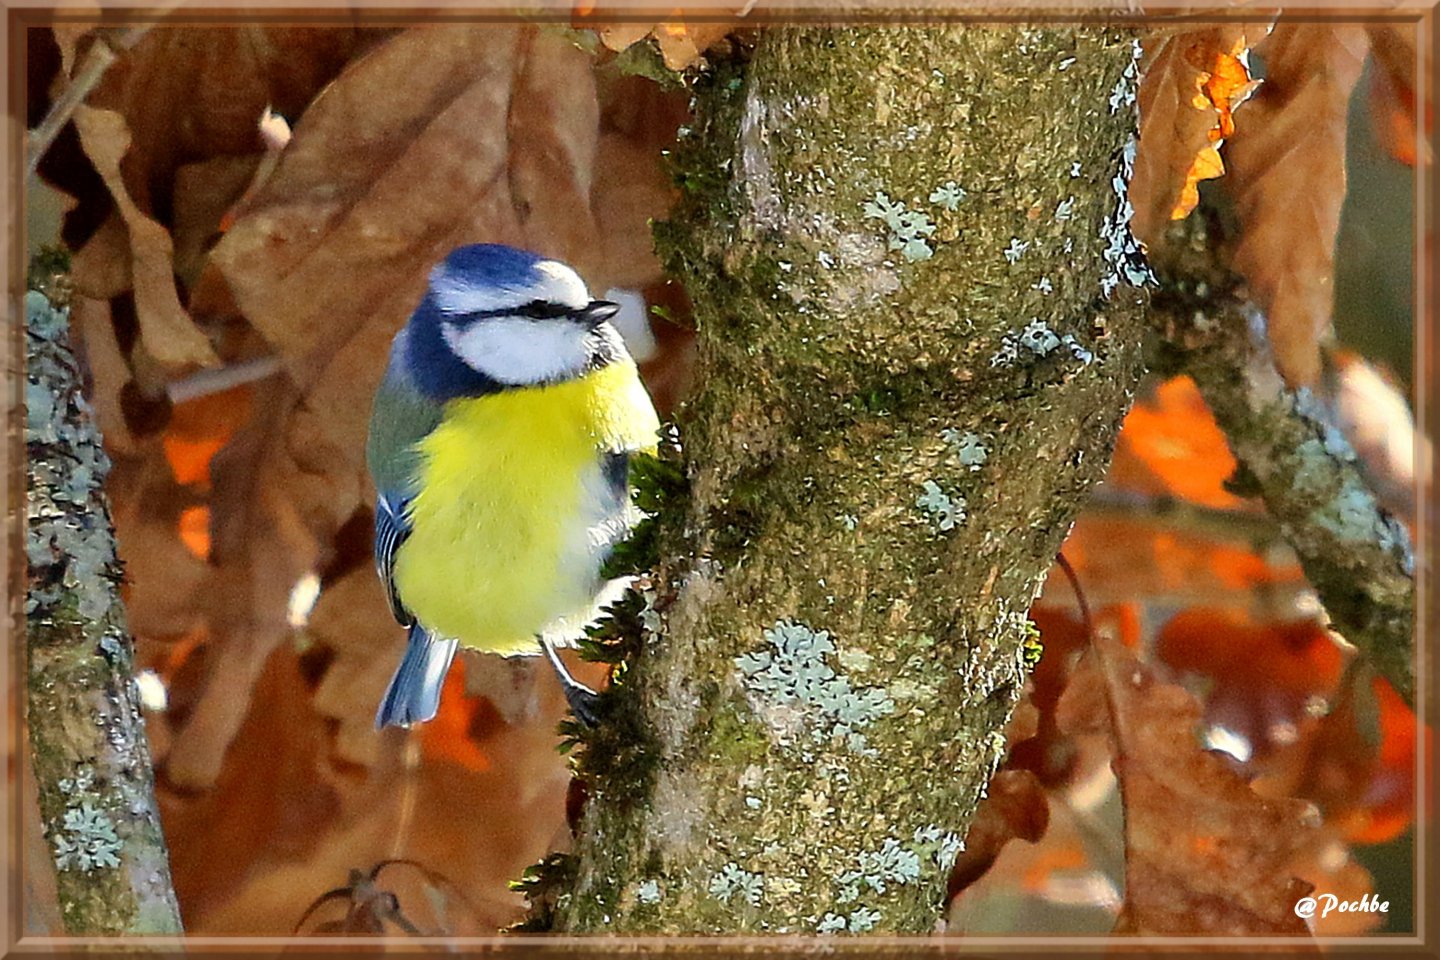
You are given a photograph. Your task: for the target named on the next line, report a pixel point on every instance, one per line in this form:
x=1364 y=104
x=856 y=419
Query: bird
x=499 y=444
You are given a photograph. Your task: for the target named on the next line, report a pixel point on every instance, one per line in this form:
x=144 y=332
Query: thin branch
x=94 y=780
x=1235 y=525
x=1355 y=554
x=109 y=44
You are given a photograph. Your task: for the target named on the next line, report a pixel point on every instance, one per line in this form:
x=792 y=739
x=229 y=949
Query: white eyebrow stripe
x=456 y=294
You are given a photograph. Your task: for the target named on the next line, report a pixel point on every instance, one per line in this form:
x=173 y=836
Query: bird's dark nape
x=414 y=692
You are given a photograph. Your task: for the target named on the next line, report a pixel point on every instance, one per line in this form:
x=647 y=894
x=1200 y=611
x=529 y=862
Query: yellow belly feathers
x=510 y=486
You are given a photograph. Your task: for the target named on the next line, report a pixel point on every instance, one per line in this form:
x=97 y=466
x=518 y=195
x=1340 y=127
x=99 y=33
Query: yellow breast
x=512 y=503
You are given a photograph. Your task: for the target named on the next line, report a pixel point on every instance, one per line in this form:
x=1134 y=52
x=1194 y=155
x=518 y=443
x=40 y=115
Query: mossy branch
x=1356 y=555
x=87 y=738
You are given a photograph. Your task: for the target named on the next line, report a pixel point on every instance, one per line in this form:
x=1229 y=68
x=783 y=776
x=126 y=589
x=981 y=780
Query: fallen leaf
x=1287 y=177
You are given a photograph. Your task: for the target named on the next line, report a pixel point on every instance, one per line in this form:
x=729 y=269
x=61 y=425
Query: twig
x=206 y=382
x=1235 y=525
x=109 y=44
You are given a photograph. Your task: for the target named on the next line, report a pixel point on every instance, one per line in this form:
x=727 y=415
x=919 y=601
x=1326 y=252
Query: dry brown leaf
x=1015 y=807
x=166 y=330
x=1396 y=113
x=101 y=268
x=202 y=193
x=1204 y=853
x=328 y=258
x=1176 y=118
x=352 y=618
x=1287 y=175
x=277 y=501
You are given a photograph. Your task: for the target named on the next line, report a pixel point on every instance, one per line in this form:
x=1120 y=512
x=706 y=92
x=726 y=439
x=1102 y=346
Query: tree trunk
x=914 y=281
x=91 y=761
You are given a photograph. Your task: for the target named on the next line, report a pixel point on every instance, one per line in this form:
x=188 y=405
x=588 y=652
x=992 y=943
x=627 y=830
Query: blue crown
x=492 y=264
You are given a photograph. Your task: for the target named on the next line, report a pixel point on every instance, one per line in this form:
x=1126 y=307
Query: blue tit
x=499 y=445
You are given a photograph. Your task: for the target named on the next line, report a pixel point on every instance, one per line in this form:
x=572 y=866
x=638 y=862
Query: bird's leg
x=583 y=701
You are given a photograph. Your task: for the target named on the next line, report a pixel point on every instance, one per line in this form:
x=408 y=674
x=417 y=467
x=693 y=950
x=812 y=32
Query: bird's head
x=510 y=318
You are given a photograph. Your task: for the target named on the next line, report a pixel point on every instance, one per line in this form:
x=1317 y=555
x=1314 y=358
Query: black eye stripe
x=534 y=310
x=543 y=310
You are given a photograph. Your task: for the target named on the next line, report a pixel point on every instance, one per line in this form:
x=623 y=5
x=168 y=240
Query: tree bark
x=91 y=761
x=919 y=331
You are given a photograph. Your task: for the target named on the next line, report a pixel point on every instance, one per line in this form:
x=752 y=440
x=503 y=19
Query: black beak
x=598 y=312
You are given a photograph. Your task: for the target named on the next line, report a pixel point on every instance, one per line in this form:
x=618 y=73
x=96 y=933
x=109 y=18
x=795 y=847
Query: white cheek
x=520 y=352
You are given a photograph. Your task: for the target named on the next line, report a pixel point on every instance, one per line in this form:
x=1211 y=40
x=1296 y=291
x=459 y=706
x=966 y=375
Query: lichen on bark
x=905 y=246
x=87 y=738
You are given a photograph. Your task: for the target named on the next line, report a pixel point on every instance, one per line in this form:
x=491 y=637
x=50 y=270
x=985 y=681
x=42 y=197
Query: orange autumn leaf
x=1177 y=118
x=198 y=429
x=451 y=735
x=195 y=531
x=1222 y=84
x=1363 y=768
x=1172 y=438
x=1270 y=669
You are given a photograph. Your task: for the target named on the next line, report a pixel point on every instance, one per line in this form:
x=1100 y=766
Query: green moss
x=542 y=885
x=1032 y=649
x=736 y=740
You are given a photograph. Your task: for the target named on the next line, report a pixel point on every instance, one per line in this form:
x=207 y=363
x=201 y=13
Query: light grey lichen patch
x=948 y=195
x=944 y=511
x=648 y=891
x=1015 y=250
x=1077 y=349
x=1123 y=253
x=831 y=923
x=86 y=840
x=875 y=871
x=909 y=229
x=863 y=919
x=733 y=881
x=1037 y=339
x=793 y=688
x=943 y=846
x=67 y=467
x=1127 y=87
x=968 y=446
x=1065 y=210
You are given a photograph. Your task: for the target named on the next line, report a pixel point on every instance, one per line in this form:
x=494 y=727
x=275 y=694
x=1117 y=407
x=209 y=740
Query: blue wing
x=391 y=529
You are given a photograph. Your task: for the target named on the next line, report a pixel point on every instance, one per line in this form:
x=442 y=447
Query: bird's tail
x=414 y=692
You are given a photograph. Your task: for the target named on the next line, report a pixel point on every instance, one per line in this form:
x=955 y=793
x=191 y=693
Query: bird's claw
x=584 y=704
